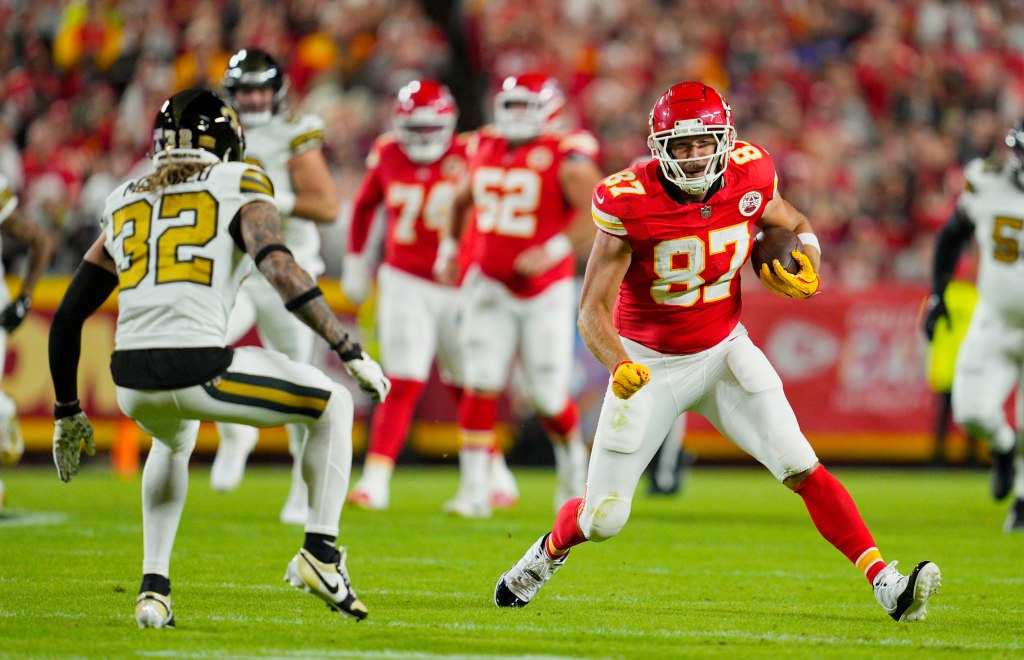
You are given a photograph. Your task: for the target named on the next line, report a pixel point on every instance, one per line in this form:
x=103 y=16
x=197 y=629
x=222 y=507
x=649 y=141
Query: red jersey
x=416 y=197
x=681 y=293
x=518 y=203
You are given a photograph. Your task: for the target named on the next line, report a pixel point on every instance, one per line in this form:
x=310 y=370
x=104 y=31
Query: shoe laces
x=889 y=584
x=537 y=569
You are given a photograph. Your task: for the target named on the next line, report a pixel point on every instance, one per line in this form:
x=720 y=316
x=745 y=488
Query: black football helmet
x=197 y=125
x=251 y=67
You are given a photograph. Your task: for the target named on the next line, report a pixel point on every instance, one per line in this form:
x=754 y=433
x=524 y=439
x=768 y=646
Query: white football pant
x=988 y=367
x=732 y=385
x=259 y=304
x=497 y=326
x=260 y=388
x=416 y=319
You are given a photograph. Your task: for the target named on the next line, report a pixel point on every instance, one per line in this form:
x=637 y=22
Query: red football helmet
x=424 y=119
x=526 y=105
x=691 y=108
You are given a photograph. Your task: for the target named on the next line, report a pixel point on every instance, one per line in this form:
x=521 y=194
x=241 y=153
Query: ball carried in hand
x=775 y=243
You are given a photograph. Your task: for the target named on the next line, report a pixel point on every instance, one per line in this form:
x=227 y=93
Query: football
x=775 y=243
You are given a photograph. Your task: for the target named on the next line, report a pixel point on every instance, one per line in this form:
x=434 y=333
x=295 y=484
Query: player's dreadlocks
x=168 y=175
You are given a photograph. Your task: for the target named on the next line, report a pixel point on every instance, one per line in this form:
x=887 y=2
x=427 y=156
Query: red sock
x=455 y=391
x=391 y=419
x=837 y=519
x=561 y=425
x=477 y=413
x=566 y=531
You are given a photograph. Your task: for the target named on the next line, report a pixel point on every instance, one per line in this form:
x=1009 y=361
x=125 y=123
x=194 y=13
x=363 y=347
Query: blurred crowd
x=869 y=107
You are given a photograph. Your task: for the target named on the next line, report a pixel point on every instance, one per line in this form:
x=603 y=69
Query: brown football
x=775 y=243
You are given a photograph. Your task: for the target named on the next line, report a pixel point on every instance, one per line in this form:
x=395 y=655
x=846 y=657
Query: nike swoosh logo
x=600 y=200
x=332 y=588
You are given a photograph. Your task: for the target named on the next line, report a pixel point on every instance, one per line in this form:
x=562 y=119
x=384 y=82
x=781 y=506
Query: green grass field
x=732 y=568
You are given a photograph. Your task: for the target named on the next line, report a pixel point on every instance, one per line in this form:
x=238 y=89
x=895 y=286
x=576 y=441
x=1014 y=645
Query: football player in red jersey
x=660 y=309
x=529 y=189
x=412 y=172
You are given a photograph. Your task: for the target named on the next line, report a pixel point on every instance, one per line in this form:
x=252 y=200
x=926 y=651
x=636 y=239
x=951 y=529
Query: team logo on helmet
x=750 y=202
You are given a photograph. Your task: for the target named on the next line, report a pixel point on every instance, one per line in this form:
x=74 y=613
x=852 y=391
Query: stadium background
x=869 y=107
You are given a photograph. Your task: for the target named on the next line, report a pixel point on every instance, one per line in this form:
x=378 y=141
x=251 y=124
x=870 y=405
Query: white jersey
x=271 y=146
x=994 y=203
x=8 y=202
x=178 y=267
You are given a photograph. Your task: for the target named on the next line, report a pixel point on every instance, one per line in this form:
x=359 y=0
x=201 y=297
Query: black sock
x=157 y=583
x=322 y=547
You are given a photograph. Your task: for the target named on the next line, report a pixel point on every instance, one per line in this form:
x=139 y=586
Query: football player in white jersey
x=13 y=224
x=288 y=147
x=990 y=363
x=178 y=244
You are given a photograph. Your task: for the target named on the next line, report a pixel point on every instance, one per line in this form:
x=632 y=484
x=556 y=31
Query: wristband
x=266 y=250
x=303 y=298
x=285 y=202
x=353 y=353
x=808 y=238
x=62 y=410
x=558 y=246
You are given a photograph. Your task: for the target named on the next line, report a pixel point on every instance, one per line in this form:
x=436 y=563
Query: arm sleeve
x=90 y=286
x=952 y=239
x=368 y=198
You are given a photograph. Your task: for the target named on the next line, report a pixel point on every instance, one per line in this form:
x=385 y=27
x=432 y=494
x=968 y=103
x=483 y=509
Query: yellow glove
x=802 y=285
x=628 y=378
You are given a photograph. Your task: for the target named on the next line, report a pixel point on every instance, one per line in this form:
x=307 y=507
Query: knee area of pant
x=978 y=425
x=604 y=518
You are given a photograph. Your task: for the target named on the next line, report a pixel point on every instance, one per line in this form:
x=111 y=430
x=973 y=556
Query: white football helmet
x=424 y=120
x=527 y=105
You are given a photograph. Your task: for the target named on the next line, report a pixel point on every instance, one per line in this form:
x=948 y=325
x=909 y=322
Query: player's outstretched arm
x=316 y=195
x=955 y=234
x=92 y=284
x=609 y=260
x=446 y=269
x=40 y=245
x=780 y=213
x=261 y=233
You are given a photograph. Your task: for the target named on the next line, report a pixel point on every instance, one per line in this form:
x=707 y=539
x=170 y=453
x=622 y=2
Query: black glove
x=15 y=313
x=934 y=309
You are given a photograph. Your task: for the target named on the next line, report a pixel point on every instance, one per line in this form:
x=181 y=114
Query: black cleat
x=1015 y=518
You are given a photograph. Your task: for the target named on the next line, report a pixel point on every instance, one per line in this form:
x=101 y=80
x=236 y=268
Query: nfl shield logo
x=705 y=212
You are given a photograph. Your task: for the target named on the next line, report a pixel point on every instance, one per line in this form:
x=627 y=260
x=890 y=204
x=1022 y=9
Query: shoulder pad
x=255 y=181
x=582 y=142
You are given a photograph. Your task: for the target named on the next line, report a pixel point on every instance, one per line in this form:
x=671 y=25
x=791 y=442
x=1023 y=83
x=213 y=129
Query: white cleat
x=518 y=586
x=153 y=610
x=229 y=464
x=904 y=597
x=329 y=582
x=369 y=495
x=296 y=508
x=467 y=507
x=504 y=491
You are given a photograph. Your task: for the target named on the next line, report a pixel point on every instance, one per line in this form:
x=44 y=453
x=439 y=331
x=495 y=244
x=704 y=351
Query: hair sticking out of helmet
x=251 y=68
x=196 y=126
x=424 y=119
x=527 y=105
x=691 y=109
